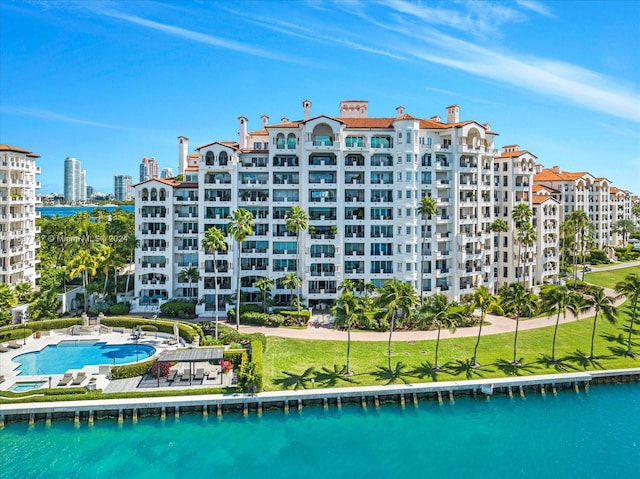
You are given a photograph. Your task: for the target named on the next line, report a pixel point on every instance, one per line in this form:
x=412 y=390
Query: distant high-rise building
x=122 y=187
x=72 y=180
x=167 y=173
x=83 y=185
x=18 y=214
x=148 y=169
x=90 y=191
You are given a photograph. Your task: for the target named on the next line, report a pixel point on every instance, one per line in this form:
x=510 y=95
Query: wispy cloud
x=537 y=7
x=197 y=36
x=459 y=95
x=56 y=117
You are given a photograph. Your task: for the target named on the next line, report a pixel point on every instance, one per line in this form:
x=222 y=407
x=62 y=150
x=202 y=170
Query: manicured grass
x=611 y=277
x=287 y=362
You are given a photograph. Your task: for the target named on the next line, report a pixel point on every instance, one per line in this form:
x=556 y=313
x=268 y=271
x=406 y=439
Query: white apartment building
x=122 y=187
x=360 y=179
x=18 y=215
x=75 y=181
x=546 y=221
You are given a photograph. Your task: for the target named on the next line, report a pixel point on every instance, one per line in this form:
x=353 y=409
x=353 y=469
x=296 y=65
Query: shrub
x=597 y=257
x=173 y=309
x=235 y=356
x=291 y=318
x=164 y=369
x=245 y=308
x=262 y=319
x=101 y=307
x=132 y=370
x=250 y=377
x=119 y=309
x=186 y=331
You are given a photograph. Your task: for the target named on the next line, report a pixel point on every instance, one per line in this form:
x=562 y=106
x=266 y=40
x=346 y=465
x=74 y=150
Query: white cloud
x=57 y=117
x=537 y=7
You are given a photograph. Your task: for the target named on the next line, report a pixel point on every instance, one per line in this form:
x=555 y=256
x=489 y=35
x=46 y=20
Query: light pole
x=25 y=316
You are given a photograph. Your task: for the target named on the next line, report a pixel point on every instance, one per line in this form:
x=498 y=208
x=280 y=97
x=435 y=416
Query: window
x=409 y=212
x=408 y=248
x=504 y=272
x=408 y=230
x=399 y=194
x=408 y=176
x=408 y=194
x=408 y=267
x=408 y=158
x=408 y=137
x=257 y=145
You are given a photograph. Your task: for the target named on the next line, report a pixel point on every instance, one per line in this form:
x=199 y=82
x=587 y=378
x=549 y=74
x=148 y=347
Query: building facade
x=122 y=187
x=148 y=169
x=75 y=180
x=18 y=201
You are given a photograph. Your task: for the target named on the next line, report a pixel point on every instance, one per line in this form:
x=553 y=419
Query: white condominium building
x=360 y=179
x=18 y=215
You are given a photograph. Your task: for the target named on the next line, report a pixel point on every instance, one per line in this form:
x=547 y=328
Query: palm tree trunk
x=593 y=335
x=238 y=289
x=348 y=347
x=515 y=341
x=422 y=265
x=393 y=320
x=215 y=285
x=435 y=364
x=475 y=349
x=553 y=344
x=633 y=320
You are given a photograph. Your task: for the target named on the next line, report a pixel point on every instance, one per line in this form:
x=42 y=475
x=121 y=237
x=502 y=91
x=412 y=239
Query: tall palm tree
x=84 y=264
x=428 y=207
x=438 y=311
x=395 y=296
x=483 y=300
x=577 y=223
x=561 y=299
x=603 y=305
x=347 y=312
x=214 y=241
x=296 y=221
x=525 y=234
x=630 y=287
x=291 y=281
x=190 y=274
x=264 y=284
x=525 y=237
x=517 y=300
x=498 y=226
x=625 y=227
x=240 y=227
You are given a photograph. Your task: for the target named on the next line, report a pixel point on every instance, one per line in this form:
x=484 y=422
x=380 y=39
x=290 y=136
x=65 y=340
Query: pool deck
x=94 y=374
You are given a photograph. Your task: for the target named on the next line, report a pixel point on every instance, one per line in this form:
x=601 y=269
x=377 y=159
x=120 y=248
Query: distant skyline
x=112 y=82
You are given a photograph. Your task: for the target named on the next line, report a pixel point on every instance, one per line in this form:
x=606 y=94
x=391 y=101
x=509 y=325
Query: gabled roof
x=538 y=187
x=226 y=143
x=539 y=199
x=516 y=154
x=166 y=181
x=262 y=132
x=549 y=174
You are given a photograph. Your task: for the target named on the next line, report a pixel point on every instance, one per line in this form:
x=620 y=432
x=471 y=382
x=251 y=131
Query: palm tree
x=483 y=300
x=214 y=241
x=85 y=264
x=438 y=311
x=189 y=274
x=577 y=222
x=517 y=300
x=630 y=287
x=624 y=227
x=264 y=284
x=393 y=296
x=291 y=281
x=498 y=226
x=240 y=227
x=562 y=299
x=601 y=303
x=297 y=220
x=635 y=211
x=24 y=292
x=347 y=312
x=428 y=207
x=525 y=234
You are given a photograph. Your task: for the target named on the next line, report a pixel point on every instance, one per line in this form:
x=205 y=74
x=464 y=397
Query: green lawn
x=288 y=361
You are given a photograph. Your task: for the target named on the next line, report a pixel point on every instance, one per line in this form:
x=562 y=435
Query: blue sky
x=110 y=82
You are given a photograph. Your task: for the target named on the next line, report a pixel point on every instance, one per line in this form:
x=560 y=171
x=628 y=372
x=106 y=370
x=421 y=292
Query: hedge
x=263 y=319
x=119 y=309
x=174 y=308
x=257 y=359
x=236 y=356
x=229 y=335
x=17 y=331
x=186 y=331
x=244 y=308
x=292 y=318
x=132 y=370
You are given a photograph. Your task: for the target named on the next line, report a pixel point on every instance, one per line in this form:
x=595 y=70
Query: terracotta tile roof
x=430 y=124
x=548 y=174
x=228 y=143
x=192 y=168
x=166 y=181
x=516 y=154
x=539 y=199
x=290 y=124
x=262 y=132
x=193 y=155
x=538 y=187
x=368 y=122
x=5 y=147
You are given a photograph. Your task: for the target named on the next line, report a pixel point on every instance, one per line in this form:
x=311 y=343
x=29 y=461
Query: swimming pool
x=27 y=386
x=59 y=358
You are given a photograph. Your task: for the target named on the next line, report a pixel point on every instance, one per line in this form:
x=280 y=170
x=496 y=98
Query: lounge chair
x=172 y=375
x=185 y=375
x=66 y=379
x=4 y=349
x=14 y=345
x=79 y=379
x=199 y=375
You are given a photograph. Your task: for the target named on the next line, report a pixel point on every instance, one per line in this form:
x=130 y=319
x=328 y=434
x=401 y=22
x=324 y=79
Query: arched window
x=280 y=140
x=322 y=135
x=291 y=141
x=163 y=194
x=154 y=194
x=208 y=159
x=144 y=194
x=223 y=158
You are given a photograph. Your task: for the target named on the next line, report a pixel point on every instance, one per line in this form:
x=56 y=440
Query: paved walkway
x=498 y=324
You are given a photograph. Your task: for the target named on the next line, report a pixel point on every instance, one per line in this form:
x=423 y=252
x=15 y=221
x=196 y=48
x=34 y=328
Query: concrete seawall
x=131 y=409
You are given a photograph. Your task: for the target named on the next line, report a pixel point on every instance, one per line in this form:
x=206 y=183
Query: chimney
x=399 y=111
x=265 y=120
x=284 y=119
x=487 y=127
x=510 y=148
x=243 y=132
x=436 y=118
x=453 y=114
x=183 y=152
x=306 y=104
x=556 y=169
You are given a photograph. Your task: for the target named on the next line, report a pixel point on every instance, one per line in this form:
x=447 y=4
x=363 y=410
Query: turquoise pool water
x=581 y=435
x=27 y=386
x=58 y=359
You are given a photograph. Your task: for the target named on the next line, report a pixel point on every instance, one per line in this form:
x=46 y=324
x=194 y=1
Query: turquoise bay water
x=72 y=210
x=582 y=435
x=59 y=358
